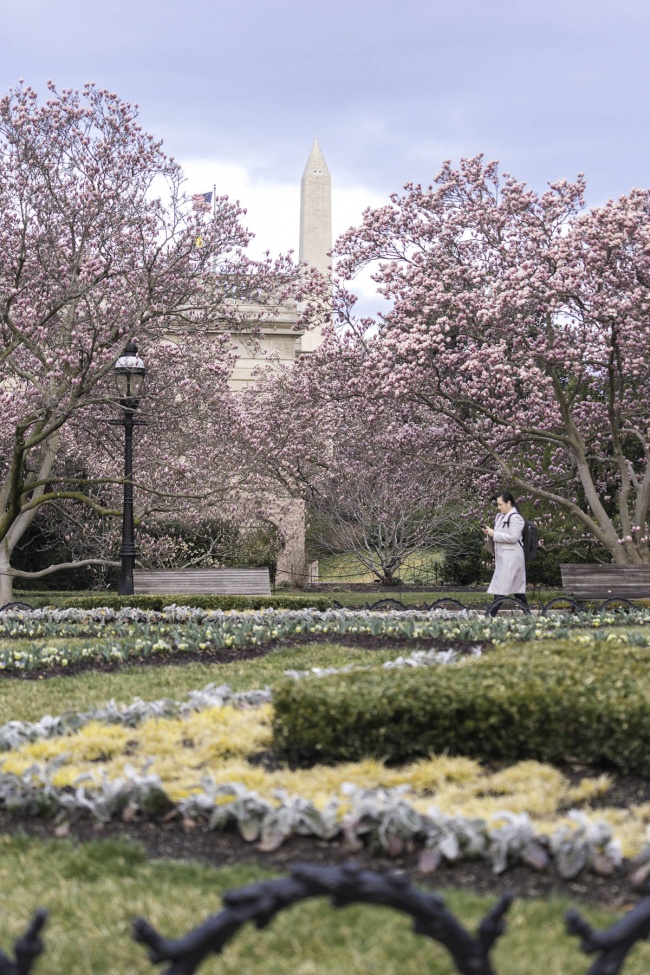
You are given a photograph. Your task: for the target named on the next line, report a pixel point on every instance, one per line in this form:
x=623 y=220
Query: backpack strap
x=521 y=540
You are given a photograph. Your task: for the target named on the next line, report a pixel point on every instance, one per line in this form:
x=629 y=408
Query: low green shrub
x=276 y=601
x=113 y=601
x=157 y=603
x=20 y=593
x=545 y=702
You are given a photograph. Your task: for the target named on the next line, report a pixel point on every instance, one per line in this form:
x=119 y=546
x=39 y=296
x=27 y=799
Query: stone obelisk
x=315 y=225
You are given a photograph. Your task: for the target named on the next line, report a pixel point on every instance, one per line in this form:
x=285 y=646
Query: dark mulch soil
x=169 y=840
x=625 y=790
x=224 y=655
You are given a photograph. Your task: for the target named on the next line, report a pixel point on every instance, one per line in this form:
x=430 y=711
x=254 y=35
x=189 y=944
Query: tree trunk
x=6 y=576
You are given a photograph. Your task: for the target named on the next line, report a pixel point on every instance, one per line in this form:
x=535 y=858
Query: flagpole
x=214 y=217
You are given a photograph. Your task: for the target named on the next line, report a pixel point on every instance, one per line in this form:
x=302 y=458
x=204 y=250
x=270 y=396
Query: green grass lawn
x=421 y=568
x=94 y=891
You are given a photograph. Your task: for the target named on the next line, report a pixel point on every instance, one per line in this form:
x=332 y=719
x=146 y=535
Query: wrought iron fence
x=557 y=604
x=351 y=884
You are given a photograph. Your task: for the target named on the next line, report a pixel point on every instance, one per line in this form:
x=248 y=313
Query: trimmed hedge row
x=157 y=603
x=546 y=703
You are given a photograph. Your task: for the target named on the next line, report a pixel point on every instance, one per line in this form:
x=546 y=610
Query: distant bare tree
x=384 y=511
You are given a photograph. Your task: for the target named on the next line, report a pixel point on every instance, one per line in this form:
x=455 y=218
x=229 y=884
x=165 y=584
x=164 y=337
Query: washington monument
x=315 y=225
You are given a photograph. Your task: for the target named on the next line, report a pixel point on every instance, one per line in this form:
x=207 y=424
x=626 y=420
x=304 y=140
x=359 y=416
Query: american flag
x=202 y=198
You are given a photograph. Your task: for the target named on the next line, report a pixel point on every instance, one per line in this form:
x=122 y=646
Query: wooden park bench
x=206 y=582
x=604 y=582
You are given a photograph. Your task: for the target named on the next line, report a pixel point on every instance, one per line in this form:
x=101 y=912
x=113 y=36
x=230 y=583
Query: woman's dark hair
x=505 y=496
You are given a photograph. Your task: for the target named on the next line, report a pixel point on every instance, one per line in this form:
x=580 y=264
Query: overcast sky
x=238 y=90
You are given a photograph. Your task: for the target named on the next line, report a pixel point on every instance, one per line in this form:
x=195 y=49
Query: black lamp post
x=129 y=379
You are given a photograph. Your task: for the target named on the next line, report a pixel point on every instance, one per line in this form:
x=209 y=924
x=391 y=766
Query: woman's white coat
x=509 y=563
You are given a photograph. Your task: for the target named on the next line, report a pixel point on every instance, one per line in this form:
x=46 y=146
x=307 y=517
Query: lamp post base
x=127 y=551
x=126 y=587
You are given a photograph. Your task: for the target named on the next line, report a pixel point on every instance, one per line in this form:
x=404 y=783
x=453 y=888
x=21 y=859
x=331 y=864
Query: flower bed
x=134 y=635
x=131 y=762
x=196 y=760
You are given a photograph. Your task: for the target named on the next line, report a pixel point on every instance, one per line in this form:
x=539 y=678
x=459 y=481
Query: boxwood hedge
x=225 y=602
x=548 y=702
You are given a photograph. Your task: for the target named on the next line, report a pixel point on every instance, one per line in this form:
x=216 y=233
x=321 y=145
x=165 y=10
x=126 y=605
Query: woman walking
x=509 y=563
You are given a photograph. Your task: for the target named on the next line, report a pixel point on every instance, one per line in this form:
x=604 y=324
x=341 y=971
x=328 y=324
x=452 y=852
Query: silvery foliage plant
x=383 y=818
x=137 y=792
x=514 y=841
x=586 y=844
x=450 y=839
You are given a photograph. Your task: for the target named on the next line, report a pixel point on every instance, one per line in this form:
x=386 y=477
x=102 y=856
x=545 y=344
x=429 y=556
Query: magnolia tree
x=519 y=322
x=369 y=493
x=99 y=244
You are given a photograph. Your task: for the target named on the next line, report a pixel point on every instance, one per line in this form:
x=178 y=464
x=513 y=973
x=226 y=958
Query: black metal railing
x=557 y=604
x=351 y=884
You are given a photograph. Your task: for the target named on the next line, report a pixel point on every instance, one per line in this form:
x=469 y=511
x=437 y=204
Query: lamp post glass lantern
x=130 y=373
x=129 y=377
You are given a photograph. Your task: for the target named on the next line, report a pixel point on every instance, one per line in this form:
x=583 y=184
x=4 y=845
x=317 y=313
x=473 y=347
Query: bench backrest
x=605 y=581
x=205 y=582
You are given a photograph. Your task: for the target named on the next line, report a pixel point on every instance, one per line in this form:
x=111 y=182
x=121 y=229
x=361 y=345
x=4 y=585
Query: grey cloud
x=390 y=88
